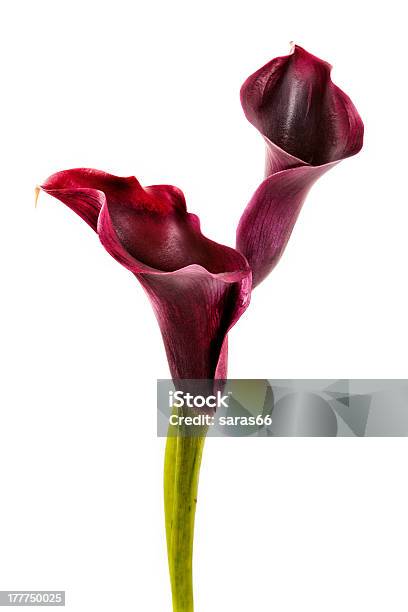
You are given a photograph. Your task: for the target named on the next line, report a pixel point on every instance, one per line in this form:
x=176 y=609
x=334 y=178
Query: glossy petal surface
x=308 y=125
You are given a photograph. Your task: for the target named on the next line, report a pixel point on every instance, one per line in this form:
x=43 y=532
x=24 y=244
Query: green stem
x=181 y=472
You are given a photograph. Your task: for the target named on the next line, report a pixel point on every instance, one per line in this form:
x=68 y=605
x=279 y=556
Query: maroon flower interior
x=152 y=223
x=293 y=102
x=174 y=237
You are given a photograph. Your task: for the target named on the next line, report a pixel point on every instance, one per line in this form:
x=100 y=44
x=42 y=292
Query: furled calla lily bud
x=198 y=288
x=308 y=125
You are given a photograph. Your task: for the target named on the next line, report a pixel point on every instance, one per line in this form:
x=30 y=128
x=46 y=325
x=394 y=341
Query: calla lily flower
x=198 y=288
x=309 y=125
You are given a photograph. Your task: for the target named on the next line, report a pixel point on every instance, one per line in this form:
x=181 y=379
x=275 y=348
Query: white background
x=152 y=89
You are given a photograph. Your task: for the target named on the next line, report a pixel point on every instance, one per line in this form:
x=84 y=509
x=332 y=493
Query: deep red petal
x=293 y=102
x=168 y=238
x=308 y=125
x=198 y=288
x=268 y=220
x=82 y=190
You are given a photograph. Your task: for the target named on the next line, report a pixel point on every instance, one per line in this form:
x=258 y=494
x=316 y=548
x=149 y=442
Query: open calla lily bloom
x=309 y=125
x=198 y=288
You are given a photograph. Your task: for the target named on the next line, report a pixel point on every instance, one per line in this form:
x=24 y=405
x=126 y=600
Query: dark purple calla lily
x=308 y=125
x=198 y=288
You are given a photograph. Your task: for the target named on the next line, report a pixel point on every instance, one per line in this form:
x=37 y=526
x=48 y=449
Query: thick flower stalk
x=198 y=290
x=309 y=125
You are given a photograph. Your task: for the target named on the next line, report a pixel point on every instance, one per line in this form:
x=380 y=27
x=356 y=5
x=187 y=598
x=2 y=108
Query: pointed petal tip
x=300 y=50
x=36 y=195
